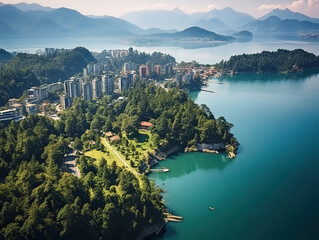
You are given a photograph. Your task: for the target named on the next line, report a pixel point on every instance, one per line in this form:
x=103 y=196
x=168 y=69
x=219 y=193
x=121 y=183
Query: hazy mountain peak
x=177 y=10
x=30 y=7
x=288 y=14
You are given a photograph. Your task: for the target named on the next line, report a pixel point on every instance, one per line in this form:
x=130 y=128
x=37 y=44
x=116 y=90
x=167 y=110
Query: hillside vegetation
x=27 y=70
x=278 y=61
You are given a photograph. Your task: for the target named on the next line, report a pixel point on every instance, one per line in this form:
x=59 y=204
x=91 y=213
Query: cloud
x=310 y=7
x=269 y=7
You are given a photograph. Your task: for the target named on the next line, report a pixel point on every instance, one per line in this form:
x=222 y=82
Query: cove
x=271 y=189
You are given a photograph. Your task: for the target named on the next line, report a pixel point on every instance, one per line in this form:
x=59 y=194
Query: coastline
x=151 y=230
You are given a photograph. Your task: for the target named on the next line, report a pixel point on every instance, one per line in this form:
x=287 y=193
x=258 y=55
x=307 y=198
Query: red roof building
x=146 y=125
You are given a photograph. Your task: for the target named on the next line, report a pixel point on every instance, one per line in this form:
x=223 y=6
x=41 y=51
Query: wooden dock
x=163 y=169
x=173 y=218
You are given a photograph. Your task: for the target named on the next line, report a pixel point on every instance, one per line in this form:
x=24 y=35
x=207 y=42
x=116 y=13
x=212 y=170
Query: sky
x=117 y=8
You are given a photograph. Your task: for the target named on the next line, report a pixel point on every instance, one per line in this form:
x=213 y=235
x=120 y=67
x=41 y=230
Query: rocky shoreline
x=213 y=148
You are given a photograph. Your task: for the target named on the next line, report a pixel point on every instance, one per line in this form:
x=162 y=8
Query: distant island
x=193 y=37
x=278 y=61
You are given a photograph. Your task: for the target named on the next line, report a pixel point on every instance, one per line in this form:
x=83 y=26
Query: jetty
x=173 y=218
x=206 y=90
x=163 y=169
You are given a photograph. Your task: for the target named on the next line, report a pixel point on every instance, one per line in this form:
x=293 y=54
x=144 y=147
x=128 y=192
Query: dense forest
x=4 y=55
x=279 y=61
x=39 y=201
x=27 y=70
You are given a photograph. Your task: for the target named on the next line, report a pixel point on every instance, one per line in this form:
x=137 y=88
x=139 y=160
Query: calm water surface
x=271 y=189
x=208 y=55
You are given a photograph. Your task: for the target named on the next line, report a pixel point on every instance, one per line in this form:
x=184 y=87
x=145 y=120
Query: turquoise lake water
x=271 y=189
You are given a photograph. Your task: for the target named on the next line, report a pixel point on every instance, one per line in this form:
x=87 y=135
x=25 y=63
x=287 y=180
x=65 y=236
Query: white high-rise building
x=107 y=84
x=123 y=83
x=87 y=91
x=97 y=88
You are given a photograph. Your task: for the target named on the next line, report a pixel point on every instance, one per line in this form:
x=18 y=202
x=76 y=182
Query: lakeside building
x=10 y=114
x=87 y=91
x=188 y=77
x=107 y=84
x=144 y=71
x=97 y=88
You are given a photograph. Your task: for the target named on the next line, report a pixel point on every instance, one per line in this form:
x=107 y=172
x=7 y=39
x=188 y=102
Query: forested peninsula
x=39 y=200
x=278 y=61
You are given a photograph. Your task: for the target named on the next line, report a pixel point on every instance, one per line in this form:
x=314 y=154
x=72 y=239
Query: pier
x=163 y=169
x=173 y=218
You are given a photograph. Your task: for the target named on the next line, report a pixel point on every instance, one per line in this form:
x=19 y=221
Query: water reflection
x=183 y=164
x=270 y=77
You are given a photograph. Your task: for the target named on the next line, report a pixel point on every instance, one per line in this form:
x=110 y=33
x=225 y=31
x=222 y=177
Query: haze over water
x=270 y=190
x=207 y=55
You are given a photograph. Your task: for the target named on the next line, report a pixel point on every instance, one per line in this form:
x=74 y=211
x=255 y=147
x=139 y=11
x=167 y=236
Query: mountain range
x=288 y=14
x=223 y=19
x=33 y=20
x=274 y=26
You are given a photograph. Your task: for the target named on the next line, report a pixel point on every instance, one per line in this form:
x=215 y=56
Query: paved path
x=71 y=165
x=133 y=170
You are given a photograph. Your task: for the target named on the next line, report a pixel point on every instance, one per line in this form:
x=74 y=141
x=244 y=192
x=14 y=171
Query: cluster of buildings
x=202 y=71
x=37 y=94
x=53 y=51
x=31 y=105
x=78 y=87
x=96 y=68
x=145 y=70
x=118 y=53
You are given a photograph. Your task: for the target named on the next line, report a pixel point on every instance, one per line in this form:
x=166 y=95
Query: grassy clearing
x=110 y=157
x=132 y=151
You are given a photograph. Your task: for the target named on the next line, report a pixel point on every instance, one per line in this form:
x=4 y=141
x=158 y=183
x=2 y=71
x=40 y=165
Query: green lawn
x=142 y=149
x=109 y=157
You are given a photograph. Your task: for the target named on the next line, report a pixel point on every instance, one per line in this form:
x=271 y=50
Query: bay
x=271 y=189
